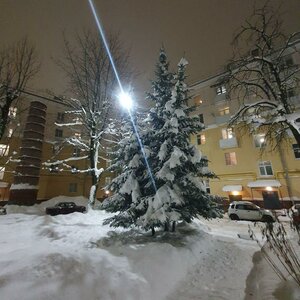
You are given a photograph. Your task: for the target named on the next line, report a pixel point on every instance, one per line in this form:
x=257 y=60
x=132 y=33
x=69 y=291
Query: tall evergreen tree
x=179 y=166
x=127 y=186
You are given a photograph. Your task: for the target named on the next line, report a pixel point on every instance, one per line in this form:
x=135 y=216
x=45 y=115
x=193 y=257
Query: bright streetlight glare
x=125 y=100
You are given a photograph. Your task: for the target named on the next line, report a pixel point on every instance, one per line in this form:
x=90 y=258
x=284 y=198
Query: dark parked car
x=2 y=211
x=64 y=208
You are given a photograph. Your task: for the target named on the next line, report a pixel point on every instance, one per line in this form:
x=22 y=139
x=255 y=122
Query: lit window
x=230 y=159
x=296 y=149
x=10 y=132
x=201 y=139
x=260 y=140
x=2 y=170
x=77 y=135
x=221 y=89
x=224 y=111
x=12 y=113
x=198 y=101
x=207 y=186
x=73 y=187
x=107 y=180
x=227 y=133
x=58 y=133
x=265 y=168
x=4 y=150
x=60 y=117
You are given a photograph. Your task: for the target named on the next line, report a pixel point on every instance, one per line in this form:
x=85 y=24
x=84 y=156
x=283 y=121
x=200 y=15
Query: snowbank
x=75 y=257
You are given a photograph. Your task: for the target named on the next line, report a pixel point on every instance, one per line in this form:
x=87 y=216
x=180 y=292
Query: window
x=224 y=111
x=230 y=159
x=286 y=62
x=58 y=133
x=2 y=170
x=296 y=149
x=227 y=133
x=53 y=169
x=291 y=93
x=254 y=52
x=221 y=89
x=201 y=139
x=76 y=152
x=201 y=118
x=4 y=150
x=260 y=140
x=73 y=187
x=77 y=135
x=12 y=113
x=107 y=180
x=108 y=163
x=206 y=184
x=265 y=168
x=60 y=117
x=10 y=132
x=198 y=101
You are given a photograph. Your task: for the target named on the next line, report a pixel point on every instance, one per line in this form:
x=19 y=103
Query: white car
x=244 y=210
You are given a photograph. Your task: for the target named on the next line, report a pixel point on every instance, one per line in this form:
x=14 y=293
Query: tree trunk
x=152 y=231
x=173 y=226
x=166 y=226
x=95 y=176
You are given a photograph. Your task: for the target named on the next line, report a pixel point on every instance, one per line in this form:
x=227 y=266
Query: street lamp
x=125 y=100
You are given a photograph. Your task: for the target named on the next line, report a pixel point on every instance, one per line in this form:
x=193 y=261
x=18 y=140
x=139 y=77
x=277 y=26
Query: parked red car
x=63 y=208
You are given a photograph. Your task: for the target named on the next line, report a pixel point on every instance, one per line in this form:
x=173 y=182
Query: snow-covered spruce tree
x=129 y=185
x=179 y=168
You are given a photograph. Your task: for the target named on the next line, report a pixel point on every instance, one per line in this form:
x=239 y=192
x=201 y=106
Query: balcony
x=228 y=143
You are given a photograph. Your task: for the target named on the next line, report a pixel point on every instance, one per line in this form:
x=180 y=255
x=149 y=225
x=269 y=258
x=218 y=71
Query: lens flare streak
x=101 y=31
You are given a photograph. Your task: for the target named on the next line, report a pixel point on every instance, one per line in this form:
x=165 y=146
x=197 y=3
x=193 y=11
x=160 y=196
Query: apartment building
x=245 y=165
x=33 y=135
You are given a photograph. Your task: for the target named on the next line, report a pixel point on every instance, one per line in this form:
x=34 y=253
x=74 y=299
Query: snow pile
x=76 y=257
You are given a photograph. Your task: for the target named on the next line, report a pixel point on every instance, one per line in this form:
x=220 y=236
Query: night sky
x=200 y=29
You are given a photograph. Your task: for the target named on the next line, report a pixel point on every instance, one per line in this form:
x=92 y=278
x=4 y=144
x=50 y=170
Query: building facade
x=246 y=166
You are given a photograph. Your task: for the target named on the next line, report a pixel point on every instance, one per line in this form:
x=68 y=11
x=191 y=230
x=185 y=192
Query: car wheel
x=234 y=217
x=267 y=219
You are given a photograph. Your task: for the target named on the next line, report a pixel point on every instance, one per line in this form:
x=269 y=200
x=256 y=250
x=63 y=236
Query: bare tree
x=265 y=78
x=18 y=64
x=93 y=86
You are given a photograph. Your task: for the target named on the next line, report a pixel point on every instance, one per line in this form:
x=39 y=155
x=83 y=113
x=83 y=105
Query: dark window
x=73 y=187
x=58 y=133
x=240 y=206
x=76 y=152
x=60 y=117
x=53 y=169
x=201 y=118
x=296 y=148
x=291 y=93
x=265 y=168
x=255 y=52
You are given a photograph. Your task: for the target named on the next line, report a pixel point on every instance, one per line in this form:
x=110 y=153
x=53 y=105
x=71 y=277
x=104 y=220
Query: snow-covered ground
x=76 y=257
